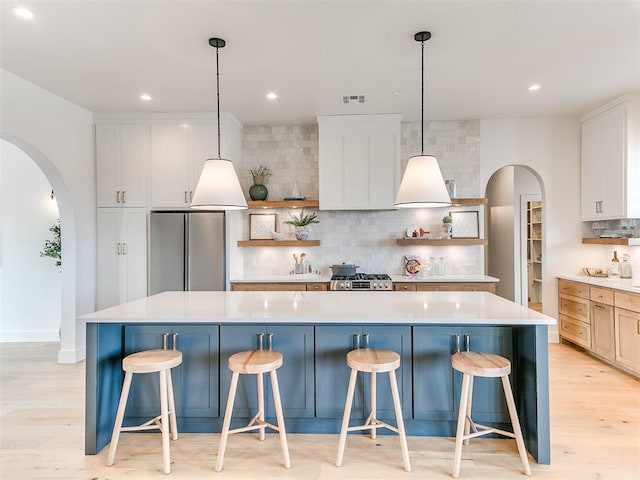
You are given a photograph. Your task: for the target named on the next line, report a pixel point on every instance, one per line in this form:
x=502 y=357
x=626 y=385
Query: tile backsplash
x=364 y=238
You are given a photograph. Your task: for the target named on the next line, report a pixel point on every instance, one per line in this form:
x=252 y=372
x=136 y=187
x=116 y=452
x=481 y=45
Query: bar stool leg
x=260 y=385
x=346 y=415
x=164 y=421
x=172 y=407
x=516 y=424
x=399 y=420
x=280 y=418
x=467 y=420
x=372 y=401
x=462 y=411
x=115 y=436
x=224 y=435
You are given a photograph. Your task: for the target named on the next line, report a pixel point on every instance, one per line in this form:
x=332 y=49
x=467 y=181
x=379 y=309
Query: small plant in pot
x=258 y=191
x=301 y=222
x=447 y=224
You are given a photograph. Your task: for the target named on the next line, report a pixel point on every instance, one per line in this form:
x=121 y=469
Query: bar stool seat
x=373 y=361
x=150 y=361
x=477 y=364
x=254 y=362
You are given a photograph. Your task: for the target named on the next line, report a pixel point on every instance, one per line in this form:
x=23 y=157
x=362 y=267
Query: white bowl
x=277 y=235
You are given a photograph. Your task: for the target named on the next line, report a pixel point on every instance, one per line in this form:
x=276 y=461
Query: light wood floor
x=595 y=426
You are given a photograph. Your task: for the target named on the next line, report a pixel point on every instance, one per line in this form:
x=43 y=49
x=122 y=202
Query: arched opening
x=516 y=232
x=20 y=158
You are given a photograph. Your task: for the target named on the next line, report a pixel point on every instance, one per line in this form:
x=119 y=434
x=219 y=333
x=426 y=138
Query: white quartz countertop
x=468 y=308
x=626 y=284
x=311 y=278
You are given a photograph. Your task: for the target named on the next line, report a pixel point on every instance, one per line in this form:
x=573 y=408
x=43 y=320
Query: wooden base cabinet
x=627 y=332
x=436 y=386
x=602 y=330
x=295 y=377
x=195 y=382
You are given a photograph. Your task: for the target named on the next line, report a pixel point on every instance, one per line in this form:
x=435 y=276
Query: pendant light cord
x=422 y=97
x=218 y=98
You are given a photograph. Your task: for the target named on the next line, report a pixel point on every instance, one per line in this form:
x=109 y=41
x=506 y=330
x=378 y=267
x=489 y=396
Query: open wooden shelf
x=284 y=204
x=611 y=241
x=442 y=241
x=278 y=243
x=456 y=202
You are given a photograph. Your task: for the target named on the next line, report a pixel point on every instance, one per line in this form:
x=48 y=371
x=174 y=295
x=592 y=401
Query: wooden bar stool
x=475 y=364
x=255 y=362
x=374 y=361
x=150 y=361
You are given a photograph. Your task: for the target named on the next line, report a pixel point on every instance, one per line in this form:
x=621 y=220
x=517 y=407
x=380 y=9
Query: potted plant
x=301 y=222
x=53 y=248
x=447 y=222
x=258 y=191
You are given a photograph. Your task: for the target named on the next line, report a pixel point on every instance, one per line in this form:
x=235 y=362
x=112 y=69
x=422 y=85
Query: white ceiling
x=483 y=55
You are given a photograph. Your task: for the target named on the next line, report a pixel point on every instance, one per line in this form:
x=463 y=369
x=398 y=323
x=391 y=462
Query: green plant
x=447 y=219
x=53 y=248
x=302 y=220
x=260 y=171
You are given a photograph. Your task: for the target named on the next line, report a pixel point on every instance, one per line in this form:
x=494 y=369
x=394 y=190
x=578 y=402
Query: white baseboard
x=72 y=356
x=21 y=337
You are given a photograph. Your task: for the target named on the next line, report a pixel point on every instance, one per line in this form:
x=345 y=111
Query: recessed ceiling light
x=272 y=96
x=23 y=12
x=146 y=97
x=534 y=87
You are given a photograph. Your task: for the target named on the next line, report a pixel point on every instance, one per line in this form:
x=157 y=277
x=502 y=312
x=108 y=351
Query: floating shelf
x=278 y=243
x=537 y=280
x=456 y=202
x=284 y=204
x=443 y=241
x=611 y=241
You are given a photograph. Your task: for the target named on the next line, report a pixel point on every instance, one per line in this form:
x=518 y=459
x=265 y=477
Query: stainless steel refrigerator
x=186 y=251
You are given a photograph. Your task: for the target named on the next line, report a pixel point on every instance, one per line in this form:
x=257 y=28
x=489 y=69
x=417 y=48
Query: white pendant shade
x=422 y=184
x=218 y=187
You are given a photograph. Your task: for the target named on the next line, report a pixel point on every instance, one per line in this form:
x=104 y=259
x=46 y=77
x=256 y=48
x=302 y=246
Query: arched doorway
x=67 y=328
x=515 y=223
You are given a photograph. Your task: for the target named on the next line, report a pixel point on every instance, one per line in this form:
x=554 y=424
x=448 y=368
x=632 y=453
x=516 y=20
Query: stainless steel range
x=361 y=281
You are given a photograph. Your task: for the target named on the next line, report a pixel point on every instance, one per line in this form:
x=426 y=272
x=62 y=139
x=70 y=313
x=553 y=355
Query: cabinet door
x=488 y=404
x=134 y=154
x=602 y=328
x=169 y=166
x=333 y=342
x=591 y=166
x=107 y=165
x=234 y=339
x=133 y=276
x=627 y=328
x=433 y=377
x=396 y=339
x=109 y=264
x=296 y=376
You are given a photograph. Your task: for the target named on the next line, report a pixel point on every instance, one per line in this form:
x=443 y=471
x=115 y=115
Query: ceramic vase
x=302 y=233
x=258 y=191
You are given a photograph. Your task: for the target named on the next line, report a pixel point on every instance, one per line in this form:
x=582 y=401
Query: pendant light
x=218 y=187
x=422 y=184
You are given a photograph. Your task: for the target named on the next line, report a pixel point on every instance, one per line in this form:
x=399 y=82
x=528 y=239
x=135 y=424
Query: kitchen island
x=314 y=331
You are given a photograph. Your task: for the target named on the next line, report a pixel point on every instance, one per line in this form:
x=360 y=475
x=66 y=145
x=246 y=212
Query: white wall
x=30 y=285
x=551 y=147
x=58 y=136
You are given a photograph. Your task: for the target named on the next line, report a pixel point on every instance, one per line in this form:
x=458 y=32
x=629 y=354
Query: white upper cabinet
x=122 y=157
x=359 y=161
x=610 y=170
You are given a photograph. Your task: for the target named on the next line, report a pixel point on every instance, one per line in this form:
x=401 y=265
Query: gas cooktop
x=361 y=281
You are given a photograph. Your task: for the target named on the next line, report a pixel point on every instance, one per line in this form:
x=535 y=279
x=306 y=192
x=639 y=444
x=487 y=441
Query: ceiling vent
x=347 y=99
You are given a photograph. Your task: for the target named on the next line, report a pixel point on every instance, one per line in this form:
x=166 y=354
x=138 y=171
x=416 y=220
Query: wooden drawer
x=404 y=287
x=628 y=301
x=601 y=295
x=456 y=287
x=318 y=287
x=264 y=287
x=576 y=289
x=574 y=307
x=575 y=331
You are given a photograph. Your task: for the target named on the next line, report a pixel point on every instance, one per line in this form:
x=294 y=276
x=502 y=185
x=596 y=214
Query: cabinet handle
x=270 y=341
x=118 y=196
x=175 y=340
x=598 y=306
x=186 y=197
x=366 y=340
x=124 y=248
x=165 y=337
x=119 y=249
x=457 y=343
x=638 y=327
x=467 y=343
x=261 y=341
x=124 y=196
x=190 y=196
x=356 y=338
